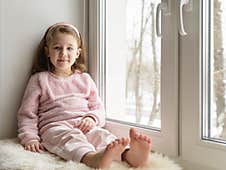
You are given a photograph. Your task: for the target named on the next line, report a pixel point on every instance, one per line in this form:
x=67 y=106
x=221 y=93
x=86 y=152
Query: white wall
x=22 y=25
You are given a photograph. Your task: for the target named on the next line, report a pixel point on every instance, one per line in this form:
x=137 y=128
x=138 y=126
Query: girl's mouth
x=62 y=61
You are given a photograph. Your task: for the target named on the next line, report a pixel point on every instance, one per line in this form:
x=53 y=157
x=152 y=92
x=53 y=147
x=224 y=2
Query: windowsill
x=121 y=130
x=187 y=165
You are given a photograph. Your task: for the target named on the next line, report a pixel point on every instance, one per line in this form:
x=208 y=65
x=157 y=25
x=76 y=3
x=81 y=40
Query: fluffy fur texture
x=14 y=157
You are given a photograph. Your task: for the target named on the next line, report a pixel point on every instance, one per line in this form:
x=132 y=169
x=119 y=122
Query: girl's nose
x=63 y=52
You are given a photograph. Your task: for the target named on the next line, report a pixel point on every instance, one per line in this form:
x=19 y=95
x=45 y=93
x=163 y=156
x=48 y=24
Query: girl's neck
x=62 y=73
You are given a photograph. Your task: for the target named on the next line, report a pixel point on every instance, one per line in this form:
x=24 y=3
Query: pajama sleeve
x=96 y=108
x=27 y=114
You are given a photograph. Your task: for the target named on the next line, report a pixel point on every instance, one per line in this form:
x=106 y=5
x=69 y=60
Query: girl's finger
x=37 y=148
x=84 y=125
x=81 y=124
x=33 y=149
x=89 y=127
x=42 y=147
x=86 y=129
x=28 y=148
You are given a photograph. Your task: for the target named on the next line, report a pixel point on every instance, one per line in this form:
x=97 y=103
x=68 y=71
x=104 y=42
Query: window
x=215 y=60
x=188 y=106
x=133 y=63
x=137 y=84
x=201 y=141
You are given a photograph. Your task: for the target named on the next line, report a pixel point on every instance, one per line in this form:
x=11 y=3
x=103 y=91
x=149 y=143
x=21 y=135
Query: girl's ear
x=78 y=52
x=46 y=51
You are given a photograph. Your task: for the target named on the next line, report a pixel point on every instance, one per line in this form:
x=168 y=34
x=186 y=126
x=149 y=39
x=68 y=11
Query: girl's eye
x=70 y=48
x=56 y=48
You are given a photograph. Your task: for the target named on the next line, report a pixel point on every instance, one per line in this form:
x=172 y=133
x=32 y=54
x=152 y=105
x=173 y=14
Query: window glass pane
x=133 y=62
x=215 y=128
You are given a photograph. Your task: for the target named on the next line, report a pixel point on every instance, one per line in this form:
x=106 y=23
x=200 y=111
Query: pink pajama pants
x=68 y=142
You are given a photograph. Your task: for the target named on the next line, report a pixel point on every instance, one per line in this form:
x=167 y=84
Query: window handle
x=165 y=7
x=181 y=20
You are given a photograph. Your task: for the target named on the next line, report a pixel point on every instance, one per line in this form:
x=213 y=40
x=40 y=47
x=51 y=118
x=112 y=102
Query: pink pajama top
x=49 y=98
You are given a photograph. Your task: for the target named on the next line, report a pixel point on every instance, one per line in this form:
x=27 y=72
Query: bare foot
x=113 y=152
x=104 y=159
x=140 y=147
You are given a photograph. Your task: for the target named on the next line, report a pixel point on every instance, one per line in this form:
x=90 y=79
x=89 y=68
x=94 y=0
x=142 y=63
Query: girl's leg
x=71 y=144
x=140 y=147
x=100 y=138
x=136 y=155
x=67 y=142
x=103 y=159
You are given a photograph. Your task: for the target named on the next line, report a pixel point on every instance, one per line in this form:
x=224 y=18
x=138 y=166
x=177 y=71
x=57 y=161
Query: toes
x=122 y=142
x=125 y=141
x=135 y=135
x=132 y=133
x=110 y=145
x=113 y=144
x=148 y=139
x=116 y=142
x=144 y=138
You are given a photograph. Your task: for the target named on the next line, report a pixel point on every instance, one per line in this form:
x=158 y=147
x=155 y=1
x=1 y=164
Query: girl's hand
x=35 y=147
x=86 y=124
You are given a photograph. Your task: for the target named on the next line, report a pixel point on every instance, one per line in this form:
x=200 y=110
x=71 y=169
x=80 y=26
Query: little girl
x=62 y=112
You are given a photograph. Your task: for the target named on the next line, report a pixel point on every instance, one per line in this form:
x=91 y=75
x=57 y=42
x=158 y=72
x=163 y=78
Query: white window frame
x=166 y=140
x=189 y=148
x=195 y=151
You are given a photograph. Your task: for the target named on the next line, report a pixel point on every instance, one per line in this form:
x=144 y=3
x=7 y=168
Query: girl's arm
x=28 y=113
x=96 y=108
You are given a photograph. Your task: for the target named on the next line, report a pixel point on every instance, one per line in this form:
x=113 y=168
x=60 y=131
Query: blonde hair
x=42 y=61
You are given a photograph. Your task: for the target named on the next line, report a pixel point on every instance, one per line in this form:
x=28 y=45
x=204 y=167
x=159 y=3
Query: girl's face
x=63 y=51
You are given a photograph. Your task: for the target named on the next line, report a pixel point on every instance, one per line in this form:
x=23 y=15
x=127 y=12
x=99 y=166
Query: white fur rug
x=14 y=157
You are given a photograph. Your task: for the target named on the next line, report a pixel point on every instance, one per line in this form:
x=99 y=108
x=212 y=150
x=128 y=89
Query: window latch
x=165 y=7
x=188 y=7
